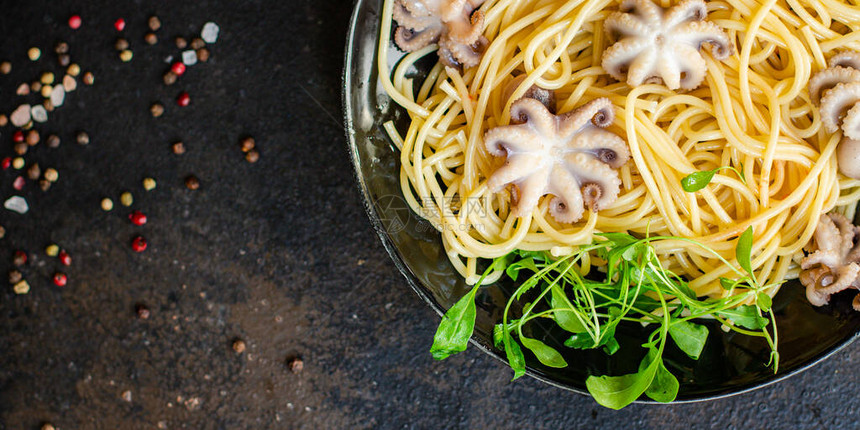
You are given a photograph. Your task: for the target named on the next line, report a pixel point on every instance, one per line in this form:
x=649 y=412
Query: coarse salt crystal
x=210 y=32
x=16 y=204
x=21 y=116
x=39 y=113
x=189 y=57
x=58 y=95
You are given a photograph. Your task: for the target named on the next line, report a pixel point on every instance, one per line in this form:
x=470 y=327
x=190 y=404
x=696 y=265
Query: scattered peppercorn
x=51 y=174
x=74 y=69
x=82 y=138
x=53 y=141
x=18 y=163
x=148 y=184
x=89 y=79
x=3 y=120
x=5 y=67
x=2 y=232
x=150 y=38
x=65 y=258
x=32 y=137
x=142 y=311
x=75 y=22
x=203 y=55
x=6 y=163
x=44 y=184
x=46 y=90
x=15 y=276
x=48 y=426
x=137 y=218
x=183 y=99
x=20 y=148
x=18 y=183
x=18 y=136
x=156 y=110
x=247 y=144
x=60 y=279
x=126 y=56
x=119 y=24
x=239 y=346
x=107 y=204
x=197 y=43
x=181 y=43
x=64 y=60
x=252 y=156
x=23 y=90
x=126 y=199
x=154 y=23
x=33 y=172
x=138 y=244
x=35 y=86
x=192 y=183
x=61 y=48
x=19 y=258
x=121 y=44
x=52 y=250
x=21 y=287
x=47 y=78
x=178 y=68
x=178 y=148
x=169 y=78
x=34 y=53
x=295 y=364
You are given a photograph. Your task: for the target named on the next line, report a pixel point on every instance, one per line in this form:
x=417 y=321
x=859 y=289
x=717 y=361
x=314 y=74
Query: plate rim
x=421 y=291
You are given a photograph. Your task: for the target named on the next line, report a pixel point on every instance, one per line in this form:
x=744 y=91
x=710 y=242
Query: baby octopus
x=837 y=91
x=654 y=45
x=456 y=25
x=832 y=266
x=570 y=156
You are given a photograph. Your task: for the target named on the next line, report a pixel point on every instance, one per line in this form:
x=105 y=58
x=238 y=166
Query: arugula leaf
x=611 y=346
x=745 y=316
x=456 y=327
x=499 y=333
x=617 y=240
x=516 y=359
x=513 y=270
x=565 y=318
x=544 y=353
x=743 y=250
x=763 y=301
x=690 y=337
x=664 y=386
x=616 y=392
x=584 y=340
x=698 y=180
x=727 y=284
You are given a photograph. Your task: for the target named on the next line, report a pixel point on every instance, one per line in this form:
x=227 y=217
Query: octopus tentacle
x=694 y=70
x=546 y=97
x=836 y=102
x=409 y=20
x=598 y=112
x=607 y=147
x=685 y=10
x=643 y=67
x=646 y=10
x=455 y=24
x=504 y=140
x=833 y=266
x=591 y=171
x=617 y=58
x=851 y=123
x=567 y=205
x=619 y=25
x=409 y=40
x=845 y=59
x=534 y=114
x=510 y=172
x=699 y=33
x=457 y=55
x=466 y=31
x=826 y=79
x=530 y=191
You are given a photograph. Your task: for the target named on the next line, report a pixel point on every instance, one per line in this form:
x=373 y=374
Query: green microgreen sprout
x=698 y=180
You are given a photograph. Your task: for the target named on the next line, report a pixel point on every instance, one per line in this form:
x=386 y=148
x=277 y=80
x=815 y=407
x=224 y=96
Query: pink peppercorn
x=137 y=218
x=184 y=99
x=75 y=22
x=119 y=24
x=18 y=184
x=60 y=279
x=18 y=136
x=178 y=68
x=65 y=258
x=7 y=162
x=138 y=244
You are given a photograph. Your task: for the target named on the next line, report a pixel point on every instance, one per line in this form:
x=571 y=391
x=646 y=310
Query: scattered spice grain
x=51 y=174
x=239 y=346
x=156 y=110
x=150 y=38
x=252 y=156
x=52 y=250
x=60 y=279
x=61 y=48
x=203 y=55
x=119 y=24
x=88 y=78
x=138 y=244
x=33 y=172
x=126 y=199
x=137 y=218
x=170 y=78
x=64 y=59
x=15 y=276
x=18 y=162
x=178 y=148
x=82 y=138
x=107 y=204
x=121 y=44
x=53 y=141
x=3 y=120
x=192 y=183
x=181 y=43
x=197 y=43
x=21 y=287
x=154 y=23
x=74 y=69
x=75 y=22
x=32 y=137
x=295 y=364
x=34 y=53
x=247 y=144
x=126 y=56
x=183 y=99
x=142 y=311
x=65 y=258
x=149 y=184
x=19 y=258
x=20 y=148
x=5 y=67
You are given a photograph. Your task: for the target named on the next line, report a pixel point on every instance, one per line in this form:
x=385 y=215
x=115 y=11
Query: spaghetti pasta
x=752 y=113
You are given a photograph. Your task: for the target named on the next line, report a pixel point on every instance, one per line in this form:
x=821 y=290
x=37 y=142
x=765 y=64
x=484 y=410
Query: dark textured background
x=279 y=253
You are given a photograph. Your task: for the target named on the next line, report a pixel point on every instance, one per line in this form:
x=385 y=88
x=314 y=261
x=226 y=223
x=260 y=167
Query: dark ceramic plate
x=729 y=364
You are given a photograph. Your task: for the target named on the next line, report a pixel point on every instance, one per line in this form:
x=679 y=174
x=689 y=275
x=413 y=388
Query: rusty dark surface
x=278 y=253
